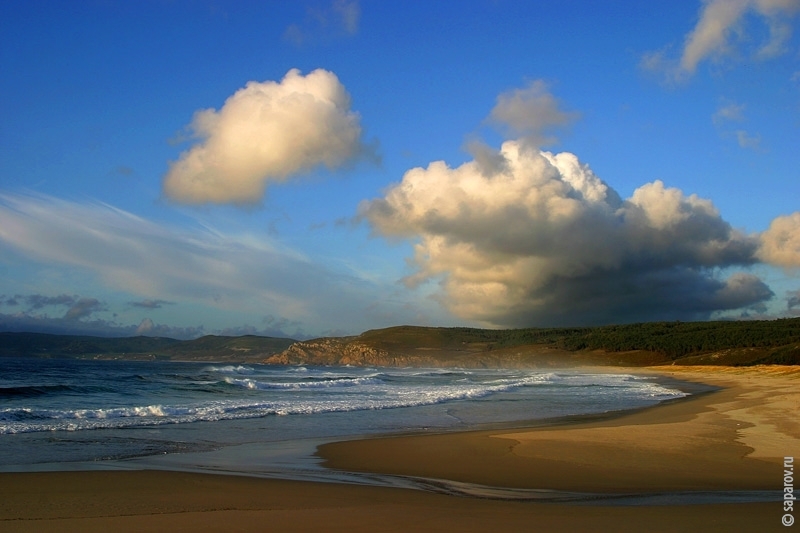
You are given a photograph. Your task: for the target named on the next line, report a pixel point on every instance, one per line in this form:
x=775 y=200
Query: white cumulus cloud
x=545 y=241
x=780 y=244
x=265 y=132
x=530 y=113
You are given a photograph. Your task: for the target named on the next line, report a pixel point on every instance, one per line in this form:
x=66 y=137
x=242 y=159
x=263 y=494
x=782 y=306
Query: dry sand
x=734 y=439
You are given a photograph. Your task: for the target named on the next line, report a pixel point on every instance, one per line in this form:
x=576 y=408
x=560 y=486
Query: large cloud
x=266 y=132
x=546 y=242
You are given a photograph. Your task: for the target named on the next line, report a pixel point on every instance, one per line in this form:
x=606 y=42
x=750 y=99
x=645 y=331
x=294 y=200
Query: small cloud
x=721 y=32
x=294 y=35
x=272 y=328
x=746 y=140
x=347 y=222
x=145 y=327
x=730 y=112
x=38 y=301
x=77 y=308
x=267 y=132
x=123 y=170
x=348 y=13
x=101 y=328
x=779 y=33
x=654 y=61
x=661 y=65
x=151 y=304
x=84 y=308
x=148 y=328
x=733 y=112
x=340 y=18
x=531 y=113
x=793 y=299
x=780 y=244
x=712 y=34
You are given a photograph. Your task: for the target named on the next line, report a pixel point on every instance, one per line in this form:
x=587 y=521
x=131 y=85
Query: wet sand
x=731 y=440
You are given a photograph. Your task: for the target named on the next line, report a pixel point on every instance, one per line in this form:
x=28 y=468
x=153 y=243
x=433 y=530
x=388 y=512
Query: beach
x=723 y=442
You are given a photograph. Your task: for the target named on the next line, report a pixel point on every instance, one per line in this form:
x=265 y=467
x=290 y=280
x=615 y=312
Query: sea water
x=267 y=420
x=77 y=411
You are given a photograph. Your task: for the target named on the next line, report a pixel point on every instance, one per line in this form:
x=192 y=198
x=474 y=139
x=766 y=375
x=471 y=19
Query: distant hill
x=657 y=343
x=654 y=343
x=247 y=348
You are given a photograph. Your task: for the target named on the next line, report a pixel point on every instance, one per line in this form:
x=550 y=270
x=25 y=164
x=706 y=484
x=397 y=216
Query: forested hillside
x=721 y=343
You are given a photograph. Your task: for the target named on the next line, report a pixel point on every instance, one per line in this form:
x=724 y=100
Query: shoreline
x=284 y=458
x=703 y=442
x=728 y=441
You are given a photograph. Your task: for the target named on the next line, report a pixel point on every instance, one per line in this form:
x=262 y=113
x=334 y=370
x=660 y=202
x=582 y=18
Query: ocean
x=261 y=420
x=61 y=413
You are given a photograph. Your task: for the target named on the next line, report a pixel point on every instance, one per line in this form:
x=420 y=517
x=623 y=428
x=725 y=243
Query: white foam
x=230 y=369
x=334 y=391
x=326 y=384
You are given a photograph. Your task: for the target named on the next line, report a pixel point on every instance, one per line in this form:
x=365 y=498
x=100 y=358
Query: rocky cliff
x=356 y=351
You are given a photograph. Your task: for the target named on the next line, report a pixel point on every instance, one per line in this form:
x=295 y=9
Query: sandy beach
x=731 y=440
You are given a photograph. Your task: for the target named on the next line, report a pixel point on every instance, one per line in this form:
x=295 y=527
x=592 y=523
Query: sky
x=316 y=168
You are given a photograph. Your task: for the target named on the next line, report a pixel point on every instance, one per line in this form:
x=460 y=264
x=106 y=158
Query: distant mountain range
x=655 y=343
x=247 y=348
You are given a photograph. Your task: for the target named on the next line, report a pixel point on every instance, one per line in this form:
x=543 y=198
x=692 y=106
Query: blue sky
x=326 y=167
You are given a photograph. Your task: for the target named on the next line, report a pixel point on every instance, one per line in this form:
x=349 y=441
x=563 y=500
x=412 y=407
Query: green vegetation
x=45 y=345
x=675 y=340
x=215 y=348
x=720 y=342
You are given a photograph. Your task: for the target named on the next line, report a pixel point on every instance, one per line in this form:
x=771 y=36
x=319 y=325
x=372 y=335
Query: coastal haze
x=399 y=266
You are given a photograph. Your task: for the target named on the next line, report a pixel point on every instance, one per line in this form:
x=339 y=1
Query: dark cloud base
x=610 y=298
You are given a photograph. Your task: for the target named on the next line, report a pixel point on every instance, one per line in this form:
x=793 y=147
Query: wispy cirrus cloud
x=160 y=264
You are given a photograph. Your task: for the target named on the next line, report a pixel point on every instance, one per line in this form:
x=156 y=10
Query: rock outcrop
x=353 y=351
x=328 y=351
